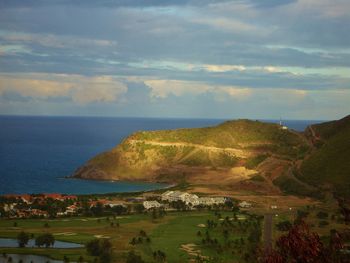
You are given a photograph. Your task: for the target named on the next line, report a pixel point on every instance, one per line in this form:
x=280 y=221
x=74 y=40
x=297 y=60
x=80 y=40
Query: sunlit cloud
x=248 y=57
x=80 y=89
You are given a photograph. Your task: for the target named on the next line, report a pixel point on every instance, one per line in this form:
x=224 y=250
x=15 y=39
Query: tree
x=284 y=225
x=93 y=247
x=98 y=209
x=159 y=256
x=298 y=245
x=101 y=248
x=133 y=258
x=139 y=208
x=322 y=215
x=22 y=239
x=46 y=240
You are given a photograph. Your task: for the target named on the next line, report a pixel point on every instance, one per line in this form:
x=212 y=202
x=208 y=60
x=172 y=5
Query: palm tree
x=22 y=239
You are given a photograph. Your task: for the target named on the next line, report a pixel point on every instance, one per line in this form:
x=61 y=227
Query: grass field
x=167 y=234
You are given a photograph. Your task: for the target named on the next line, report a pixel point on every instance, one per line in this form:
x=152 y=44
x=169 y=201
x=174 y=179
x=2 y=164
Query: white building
x=244 y=204
x=114 y=204
x=173 y=196
x=151 y=204
x=192 y=199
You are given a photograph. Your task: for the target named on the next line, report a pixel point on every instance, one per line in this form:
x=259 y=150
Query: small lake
x=9 y=242
x=27 y=259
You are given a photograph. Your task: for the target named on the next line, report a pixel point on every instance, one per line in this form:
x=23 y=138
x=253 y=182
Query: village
x=60 y=205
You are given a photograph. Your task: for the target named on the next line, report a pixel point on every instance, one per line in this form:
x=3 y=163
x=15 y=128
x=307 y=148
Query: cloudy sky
x=176 y=58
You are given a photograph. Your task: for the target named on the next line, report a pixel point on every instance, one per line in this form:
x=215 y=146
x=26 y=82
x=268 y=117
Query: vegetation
x=257 y=178
x=151 y=155
x=284 y=225
x=101 y=248
x=300 y=244
x=329 y=165
x=133 y=258
x=255 y=161
x=22 y=239
x=46 y=240
x=151 y=240
x=227 y=134
x=291 y=186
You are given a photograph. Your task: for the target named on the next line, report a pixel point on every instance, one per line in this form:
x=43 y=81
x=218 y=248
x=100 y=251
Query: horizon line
x=158 y=117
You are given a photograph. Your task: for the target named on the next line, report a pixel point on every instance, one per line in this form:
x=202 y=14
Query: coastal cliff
x=228 y=153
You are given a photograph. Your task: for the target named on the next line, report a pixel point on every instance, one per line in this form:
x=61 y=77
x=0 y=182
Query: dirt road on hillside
x=236 y=152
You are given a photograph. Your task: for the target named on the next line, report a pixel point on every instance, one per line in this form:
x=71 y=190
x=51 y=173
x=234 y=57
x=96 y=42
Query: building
x=71 y=210
x=172 y=196
x=191 y=199
x=114 y=204
x=244 y=204
x=151 y=204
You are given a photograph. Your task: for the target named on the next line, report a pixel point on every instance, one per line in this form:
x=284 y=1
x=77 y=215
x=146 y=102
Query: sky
x=258 y=59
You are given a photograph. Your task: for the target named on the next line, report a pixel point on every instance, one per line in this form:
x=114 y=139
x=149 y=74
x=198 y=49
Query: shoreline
x=168 y=186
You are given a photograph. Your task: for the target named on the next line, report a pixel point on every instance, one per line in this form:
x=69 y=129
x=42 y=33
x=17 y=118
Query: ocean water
x=36 y=153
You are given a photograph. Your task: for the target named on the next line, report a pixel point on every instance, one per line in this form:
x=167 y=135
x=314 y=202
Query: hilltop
x=328 y=165
x=235 y=154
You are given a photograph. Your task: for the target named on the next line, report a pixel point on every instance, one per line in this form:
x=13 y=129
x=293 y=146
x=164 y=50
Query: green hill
x=329 y=164
x=173 y=155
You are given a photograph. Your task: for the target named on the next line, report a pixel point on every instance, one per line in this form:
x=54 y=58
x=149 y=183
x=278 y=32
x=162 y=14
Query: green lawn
x=167 y=234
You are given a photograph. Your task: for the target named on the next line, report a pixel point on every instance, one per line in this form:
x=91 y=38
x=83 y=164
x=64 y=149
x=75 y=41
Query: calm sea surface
x=36 y=153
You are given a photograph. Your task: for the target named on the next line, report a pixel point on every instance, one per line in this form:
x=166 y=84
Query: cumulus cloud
x=163 y=88
x=80 y=89
x=231 y=53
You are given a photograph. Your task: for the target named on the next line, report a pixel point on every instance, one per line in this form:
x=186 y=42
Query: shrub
x=322 y=215
x=133 y=258
x=284 y=225
x=323 y=223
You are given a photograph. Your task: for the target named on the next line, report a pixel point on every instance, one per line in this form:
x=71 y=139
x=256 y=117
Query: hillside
x=231 y=152
x=329 y=164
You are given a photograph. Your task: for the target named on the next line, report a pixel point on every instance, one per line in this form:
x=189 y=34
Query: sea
x=37 y=154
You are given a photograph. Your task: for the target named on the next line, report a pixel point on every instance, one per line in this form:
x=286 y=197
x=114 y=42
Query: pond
x=9 y=242
x=15 y=258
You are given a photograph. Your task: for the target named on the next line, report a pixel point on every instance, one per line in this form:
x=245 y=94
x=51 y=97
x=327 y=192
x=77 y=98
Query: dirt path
x=236 y=152
x=268 y=232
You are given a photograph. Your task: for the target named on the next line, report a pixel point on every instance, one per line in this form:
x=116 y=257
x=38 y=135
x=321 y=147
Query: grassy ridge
x=139 y=156
x=228 y=134
x=329 y=165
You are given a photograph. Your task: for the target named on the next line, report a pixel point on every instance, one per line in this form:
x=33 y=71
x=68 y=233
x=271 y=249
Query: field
x=175 y=234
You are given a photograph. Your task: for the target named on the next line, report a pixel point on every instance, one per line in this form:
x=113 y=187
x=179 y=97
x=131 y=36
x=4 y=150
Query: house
x=151 y=204
x=102 y=202
x=69 y=197
x=53 y=196
x=26 y=198
x=244 y=204
x=9 y=207
x=38 y=212
x=72 y=209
